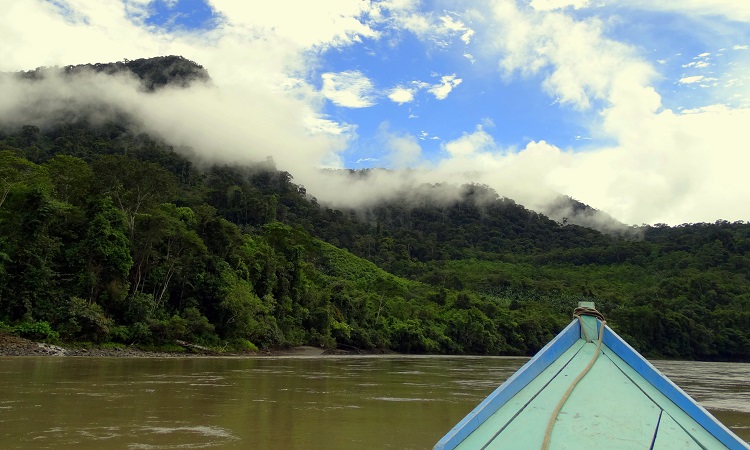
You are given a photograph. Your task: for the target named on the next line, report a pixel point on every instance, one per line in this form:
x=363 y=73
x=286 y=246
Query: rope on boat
x=586 y=311
x=578 y=312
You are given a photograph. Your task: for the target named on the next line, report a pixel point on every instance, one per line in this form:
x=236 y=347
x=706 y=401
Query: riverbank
x=12 y=345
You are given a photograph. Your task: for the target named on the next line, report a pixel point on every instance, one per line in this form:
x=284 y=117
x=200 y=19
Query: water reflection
x=280 y=403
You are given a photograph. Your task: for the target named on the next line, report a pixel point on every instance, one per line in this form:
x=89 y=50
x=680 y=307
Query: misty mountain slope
x=430 y=223
x=154 y=73
x=142 y=96
x=131 y=94
x=111 y=234
x=474 y=222
x=131 y=246
x=174 y=98
x=567 y=210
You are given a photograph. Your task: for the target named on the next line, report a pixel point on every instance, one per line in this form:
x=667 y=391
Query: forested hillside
x=111 y=236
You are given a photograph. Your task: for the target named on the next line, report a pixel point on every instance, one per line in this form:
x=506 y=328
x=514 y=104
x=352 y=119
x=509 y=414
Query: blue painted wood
x=671 y=390
x=488 y=431
x=660 y=386
x=515 y=383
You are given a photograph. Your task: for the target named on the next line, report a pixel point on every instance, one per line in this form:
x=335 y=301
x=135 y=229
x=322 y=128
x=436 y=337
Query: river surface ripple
x=368 y=402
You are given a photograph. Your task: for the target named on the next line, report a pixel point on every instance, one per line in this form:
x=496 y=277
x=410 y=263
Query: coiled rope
x=578 y=312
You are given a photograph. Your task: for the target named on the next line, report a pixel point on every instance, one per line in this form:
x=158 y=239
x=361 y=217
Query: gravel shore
x=11 y=345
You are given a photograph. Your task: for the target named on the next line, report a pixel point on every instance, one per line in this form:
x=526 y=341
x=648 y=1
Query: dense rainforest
x=112 y=236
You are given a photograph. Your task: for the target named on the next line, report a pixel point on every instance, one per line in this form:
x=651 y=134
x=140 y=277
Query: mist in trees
x=107 y=236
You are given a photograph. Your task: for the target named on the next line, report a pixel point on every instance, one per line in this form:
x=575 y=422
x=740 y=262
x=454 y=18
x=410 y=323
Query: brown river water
x=376 y=402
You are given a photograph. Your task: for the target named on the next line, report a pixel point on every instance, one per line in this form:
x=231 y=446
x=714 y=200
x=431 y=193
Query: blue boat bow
x=588 y=388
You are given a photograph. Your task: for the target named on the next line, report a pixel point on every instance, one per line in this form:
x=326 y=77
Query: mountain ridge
x=176 y=71
x=110 y=235
x=154 y=73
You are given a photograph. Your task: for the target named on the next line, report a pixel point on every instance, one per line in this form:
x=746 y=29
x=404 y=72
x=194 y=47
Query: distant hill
x=154 y=73
x=108 y=234
x=566 y=210
x=158 y=72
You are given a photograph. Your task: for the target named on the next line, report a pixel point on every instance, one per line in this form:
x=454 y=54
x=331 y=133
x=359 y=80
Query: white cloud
x=452 y=24
x=404 y=151
x=351 y=89
x=458 y=27
x=416 y=23
x=401 y=95
x=446 y=85
x=83 y=31
x=306 y=24
x=440 y=30
x=739 y=47
x=691 y=80
x=580 y=66
x=424 y=135
x=470 y=144
x=730 y=9
x=548 y=5
x=696 y=64
x=406 y=93
x=318 y=124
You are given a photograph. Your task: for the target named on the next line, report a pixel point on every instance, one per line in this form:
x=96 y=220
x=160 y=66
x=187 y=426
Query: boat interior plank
x=500 y=419
x=671 y=436
x=691 y=426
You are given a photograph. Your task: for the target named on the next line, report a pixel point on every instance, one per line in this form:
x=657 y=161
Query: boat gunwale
x=552 y=351
x=520 y=379
x=670 y=390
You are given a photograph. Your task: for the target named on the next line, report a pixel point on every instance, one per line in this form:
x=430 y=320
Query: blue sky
x=636 y=107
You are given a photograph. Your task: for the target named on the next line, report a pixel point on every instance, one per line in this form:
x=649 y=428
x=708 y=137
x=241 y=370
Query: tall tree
x=134 y=186
x=71 y=177
x=105 y=253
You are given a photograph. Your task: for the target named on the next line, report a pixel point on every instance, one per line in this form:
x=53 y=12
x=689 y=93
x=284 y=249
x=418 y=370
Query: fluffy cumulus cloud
x=580 y=64
x=401 y=95
x=470 y=144
x=446 y=85
x=333 y=22
x=351 y=89
x=36 y=33
x=664 y=166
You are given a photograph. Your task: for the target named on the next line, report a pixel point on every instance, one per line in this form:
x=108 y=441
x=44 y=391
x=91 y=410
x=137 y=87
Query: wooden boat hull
x=622 y=402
